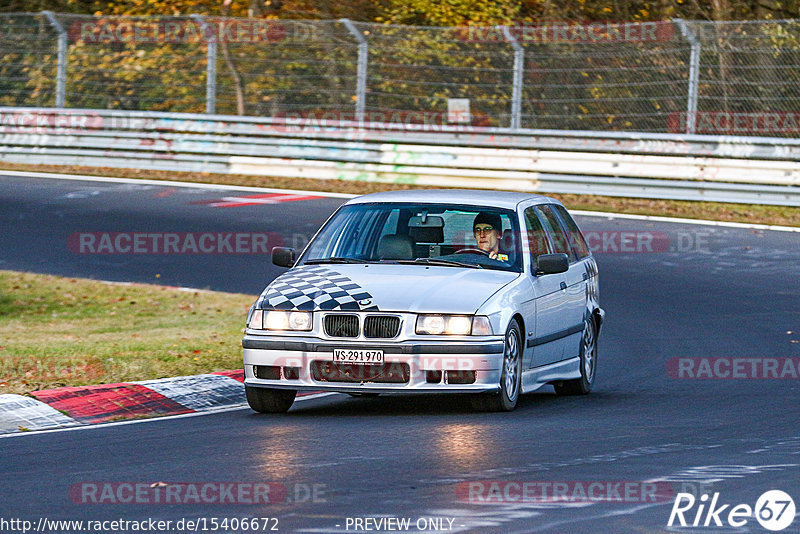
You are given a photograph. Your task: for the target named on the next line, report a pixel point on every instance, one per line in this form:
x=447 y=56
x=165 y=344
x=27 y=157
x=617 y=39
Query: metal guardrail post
x=61 y=70
x=694 y=75
x=516 y=91
x=211 y=64
x=361 y=82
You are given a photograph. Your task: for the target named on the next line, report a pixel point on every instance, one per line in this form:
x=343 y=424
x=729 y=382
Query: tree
x=450 y=12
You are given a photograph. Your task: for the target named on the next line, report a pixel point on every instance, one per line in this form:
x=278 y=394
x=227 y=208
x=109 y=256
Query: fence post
x=211 y=64
x=516 y=90
x=61 y=70
x=694 y=75
x=361 y=82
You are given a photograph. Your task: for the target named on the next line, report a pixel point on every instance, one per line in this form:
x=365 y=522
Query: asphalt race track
x=689 y=291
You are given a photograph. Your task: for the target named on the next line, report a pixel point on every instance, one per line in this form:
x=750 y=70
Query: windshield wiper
x=447 y=263
x=334 y=260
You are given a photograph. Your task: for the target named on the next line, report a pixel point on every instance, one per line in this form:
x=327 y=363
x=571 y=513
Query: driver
x=488 y=228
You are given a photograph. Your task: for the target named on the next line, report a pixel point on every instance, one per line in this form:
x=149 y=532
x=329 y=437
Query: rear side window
x=574 y=235
x=557 y=233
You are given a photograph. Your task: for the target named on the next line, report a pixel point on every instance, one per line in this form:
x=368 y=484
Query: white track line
x=89 y=426
x=109 y=179
x=608 y=215
x=686 y=221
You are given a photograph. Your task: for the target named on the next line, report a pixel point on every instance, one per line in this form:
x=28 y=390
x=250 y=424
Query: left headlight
x=280 y=320
x=453 y=325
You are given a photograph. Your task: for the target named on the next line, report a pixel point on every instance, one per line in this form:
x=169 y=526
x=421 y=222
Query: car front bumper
x=419 y=360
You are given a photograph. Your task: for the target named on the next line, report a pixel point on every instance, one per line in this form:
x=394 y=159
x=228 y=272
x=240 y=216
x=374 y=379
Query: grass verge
x=718 y=211
x=58 y=331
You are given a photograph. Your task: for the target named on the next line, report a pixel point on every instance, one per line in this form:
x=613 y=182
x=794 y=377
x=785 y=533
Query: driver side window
x=538 y=242
x=555 y=230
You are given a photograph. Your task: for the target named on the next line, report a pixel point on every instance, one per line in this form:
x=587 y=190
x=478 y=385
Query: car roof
x=500 y=199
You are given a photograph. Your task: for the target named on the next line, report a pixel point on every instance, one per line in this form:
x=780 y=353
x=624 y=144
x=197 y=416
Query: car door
x=567 y=233
x=550 y=303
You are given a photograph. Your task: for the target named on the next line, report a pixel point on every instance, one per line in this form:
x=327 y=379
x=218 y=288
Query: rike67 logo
x=774 y=510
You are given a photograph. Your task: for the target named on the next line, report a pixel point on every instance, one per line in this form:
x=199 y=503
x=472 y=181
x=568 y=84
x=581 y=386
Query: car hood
x=384 y=287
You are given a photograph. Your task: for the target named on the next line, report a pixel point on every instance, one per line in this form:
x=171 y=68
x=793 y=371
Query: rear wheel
x=505 y=400
x=265 y=400
x=588 y=364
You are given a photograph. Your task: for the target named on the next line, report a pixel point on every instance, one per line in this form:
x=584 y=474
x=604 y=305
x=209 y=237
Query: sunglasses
x=483 y=229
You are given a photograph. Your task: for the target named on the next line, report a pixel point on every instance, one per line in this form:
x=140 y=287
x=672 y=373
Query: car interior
x=426 y=239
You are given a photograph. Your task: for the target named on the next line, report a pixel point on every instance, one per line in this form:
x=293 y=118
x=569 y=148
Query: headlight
x=454 y=325
x=280 y=320
x=459 y=325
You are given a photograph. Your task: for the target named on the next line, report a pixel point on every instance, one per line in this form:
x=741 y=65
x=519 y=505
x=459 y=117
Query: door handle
x=585 y=276
x=563 y=285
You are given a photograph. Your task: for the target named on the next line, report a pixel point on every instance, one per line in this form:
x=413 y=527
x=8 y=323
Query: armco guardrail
x=724 y=169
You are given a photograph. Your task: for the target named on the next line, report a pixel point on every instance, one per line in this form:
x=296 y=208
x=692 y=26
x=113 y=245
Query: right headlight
x=280 y=320
x=453 y=325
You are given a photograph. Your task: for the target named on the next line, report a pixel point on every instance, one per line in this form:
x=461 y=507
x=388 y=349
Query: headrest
x=396 y=247
x=507 y=242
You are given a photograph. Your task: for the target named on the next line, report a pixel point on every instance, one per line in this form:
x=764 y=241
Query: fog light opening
x=460 y=377
x=267 y=372
x=291 y=373
x=433 y=377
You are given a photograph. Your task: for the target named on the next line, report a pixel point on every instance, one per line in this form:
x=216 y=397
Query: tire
x=506 y=399
x=588 y=364
x=264 y=400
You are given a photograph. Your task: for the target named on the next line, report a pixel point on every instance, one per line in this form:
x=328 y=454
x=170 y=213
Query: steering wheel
x=471 y=250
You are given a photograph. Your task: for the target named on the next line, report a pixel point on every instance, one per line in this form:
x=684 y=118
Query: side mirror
x=552 y=264
x=283 y=257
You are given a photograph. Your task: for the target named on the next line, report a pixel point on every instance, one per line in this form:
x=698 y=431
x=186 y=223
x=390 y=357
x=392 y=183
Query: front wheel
x=265 y=400
x=505 y=400
x=588 y=364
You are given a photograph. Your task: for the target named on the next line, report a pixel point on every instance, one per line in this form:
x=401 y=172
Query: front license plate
x=358 y=356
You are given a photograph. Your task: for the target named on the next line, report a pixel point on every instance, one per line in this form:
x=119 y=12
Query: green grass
x=58 y=331
x=718 y=211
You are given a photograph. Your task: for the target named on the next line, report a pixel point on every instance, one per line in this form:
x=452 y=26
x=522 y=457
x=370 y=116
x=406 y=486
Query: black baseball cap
x=492 y=219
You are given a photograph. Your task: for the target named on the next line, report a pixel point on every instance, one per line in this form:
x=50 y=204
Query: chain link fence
x=740 y=78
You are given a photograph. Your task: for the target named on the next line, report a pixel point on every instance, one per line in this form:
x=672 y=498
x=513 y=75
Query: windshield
x=433 y=234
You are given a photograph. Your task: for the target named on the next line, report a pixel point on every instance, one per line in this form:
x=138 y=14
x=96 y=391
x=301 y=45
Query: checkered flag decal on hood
x=315 y=287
